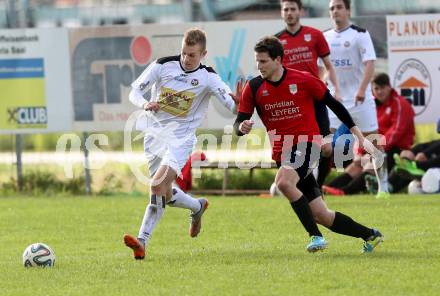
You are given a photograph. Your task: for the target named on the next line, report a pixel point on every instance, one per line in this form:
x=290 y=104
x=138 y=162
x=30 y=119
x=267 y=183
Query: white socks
x=156 y=208
x=153 y=213
x=182 y=200
x=383 y=175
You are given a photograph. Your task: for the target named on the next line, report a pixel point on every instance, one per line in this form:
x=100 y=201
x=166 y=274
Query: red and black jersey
x=285 y=107
x=303 y=48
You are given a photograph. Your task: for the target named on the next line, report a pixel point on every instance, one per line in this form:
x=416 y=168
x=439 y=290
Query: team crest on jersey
x=347 y=44
x=194 y=82
x=284 y=42
x=307 y=37
x=293 y=88
x=265 y=93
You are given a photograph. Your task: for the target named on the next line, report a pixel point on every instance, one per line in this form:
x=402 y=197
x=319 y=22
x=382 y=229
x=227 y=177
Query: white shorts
x=160 y=153
x=364 y=116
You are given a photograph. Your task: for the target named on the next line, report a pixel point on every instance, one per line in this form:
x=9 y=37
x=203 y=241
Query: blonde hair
x=195 y=36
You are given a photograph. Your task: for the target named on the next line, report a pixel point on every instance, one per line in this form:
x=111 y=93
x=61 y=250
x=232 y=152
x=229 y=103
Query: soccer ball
x=431 y=181
x=274 y=191
x=38 y=254
x=415 y=187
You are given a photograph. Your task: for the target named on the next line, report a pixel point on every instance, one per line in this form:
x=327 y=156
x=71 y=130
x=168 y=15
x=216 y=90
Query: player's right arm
x=243 y=123
x=323 y=51
x=143 y=84
x=332 y=76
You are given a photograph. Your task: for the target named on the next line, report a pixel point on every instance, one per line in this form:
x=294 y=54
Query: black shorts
x=309 y=187
x=304 y=157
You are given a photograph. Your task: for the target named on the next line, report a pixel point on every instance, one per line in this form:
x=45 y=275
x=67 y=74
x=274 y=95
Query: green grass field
x=248 y=246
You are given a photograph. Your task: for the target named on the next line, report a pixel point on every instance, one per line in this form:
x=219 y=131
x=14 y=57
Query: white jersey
x=183 y=96
x=349 y=49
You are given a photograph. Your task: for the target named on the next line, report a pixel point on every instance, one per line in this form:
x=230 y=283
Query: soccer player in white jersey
x=181 y=87
x=353 y=56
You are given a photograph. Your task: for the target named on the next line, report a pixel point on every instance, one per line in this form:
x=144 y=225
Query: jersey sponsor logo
x=307 y=37
x=413 y=79
x=282 y=110
x=222 y=92
x=342 y=63
x=297 y=55
x=293 y=88
x=181 y=78
x=177 y=103
x=143 y=85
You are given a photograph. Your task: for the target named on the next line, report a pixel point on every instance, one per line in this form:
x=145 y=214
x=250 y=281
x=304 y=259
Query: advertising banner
x=414 y=64
x=105 y=61
x=34 y=99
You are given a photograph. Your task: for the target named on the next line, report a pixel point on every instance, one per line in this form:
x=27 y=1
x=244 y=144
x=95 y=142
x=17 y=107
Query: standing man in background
x=352 y=54
x=303 y=46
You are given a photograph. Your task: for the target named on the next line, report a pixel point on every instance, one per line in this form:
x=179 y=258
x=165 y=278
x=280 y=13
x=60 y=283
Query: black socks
x=345 y=225
x=302 y=210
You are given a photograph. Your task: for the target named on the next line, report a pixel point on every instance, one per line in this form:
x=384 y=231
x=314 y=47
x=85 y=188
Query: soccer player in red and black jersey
x=303 y=46
x=284 y=100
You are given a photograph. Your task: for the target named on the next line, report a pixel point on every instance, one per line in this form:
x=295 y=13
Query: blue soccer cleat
x=372 y=242
x=317 y=243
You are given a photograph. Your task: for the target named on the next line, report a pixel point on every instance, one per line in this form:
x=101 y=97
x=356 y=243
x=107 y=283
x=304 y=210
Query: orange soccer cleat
x=134 y=244
x=196 y=218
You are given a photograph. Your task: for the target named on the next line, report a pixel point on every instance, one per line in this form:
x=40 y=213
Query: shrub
x=37 y=182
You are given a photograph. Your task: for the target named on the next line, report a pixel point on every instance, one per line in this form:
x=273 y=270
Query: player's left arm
x=342 y=113
x=368 y=55
x=368 y=75
x=223 y=93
